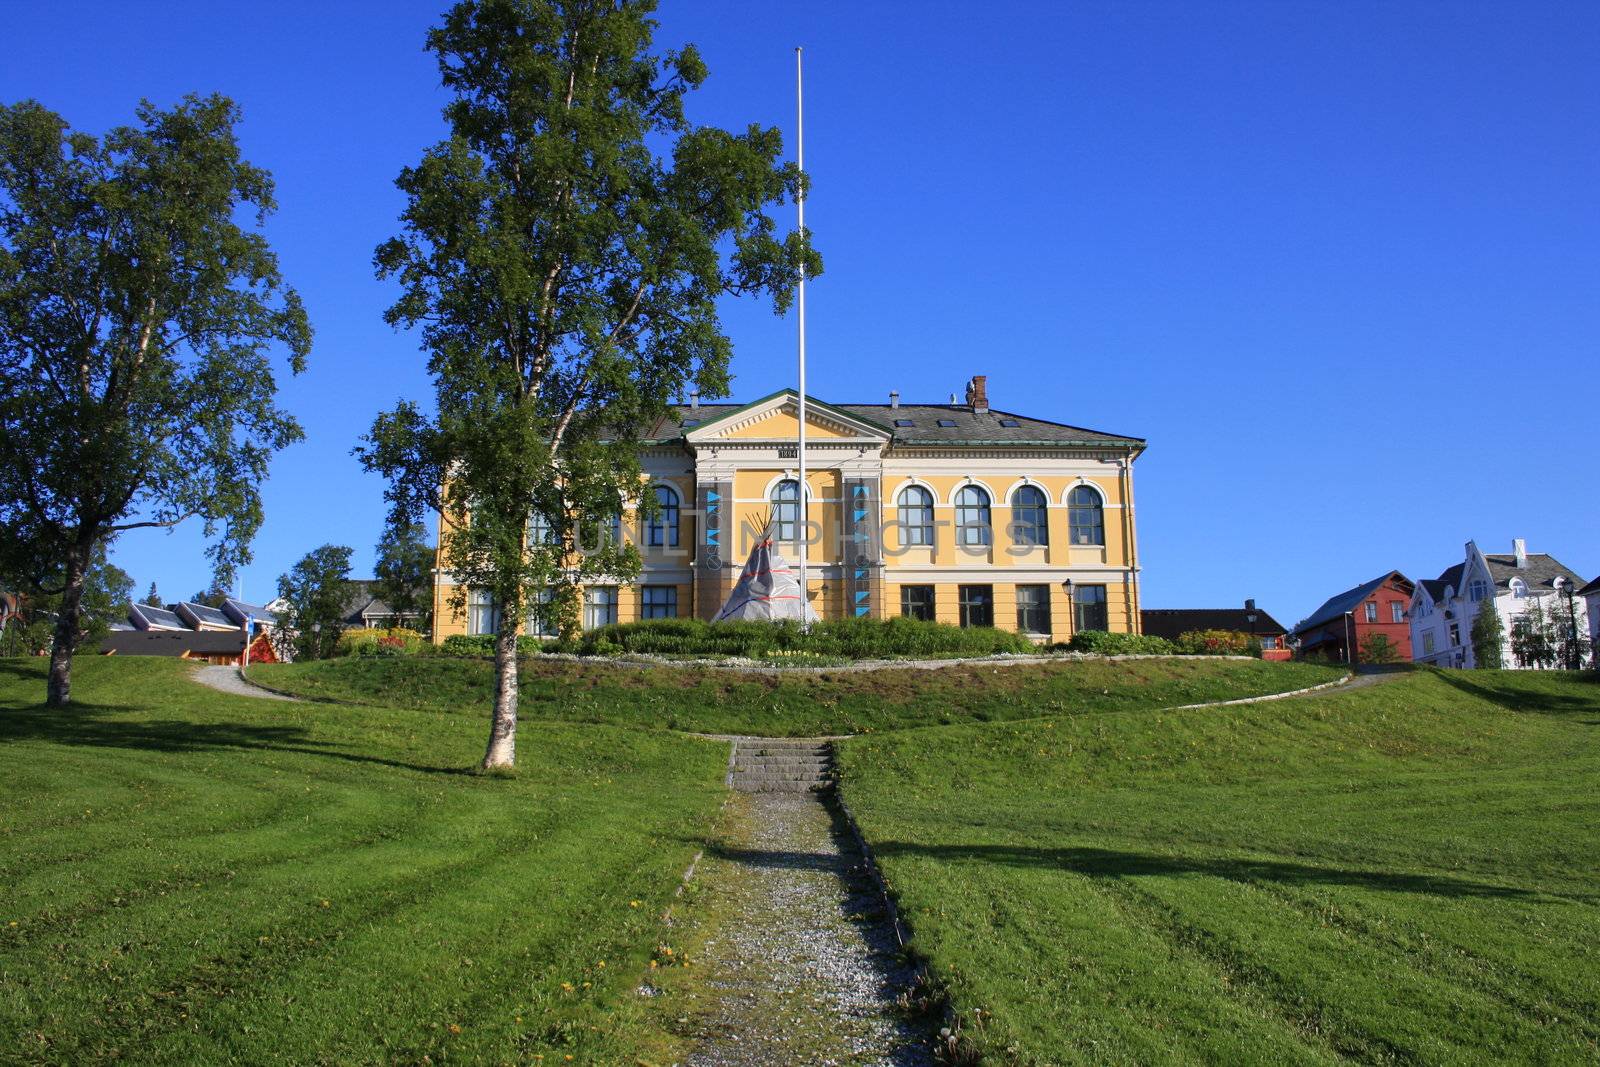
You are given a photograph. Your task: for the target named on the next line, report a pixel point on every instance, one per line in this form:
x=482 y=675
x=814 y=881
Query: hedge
x=1101 y=643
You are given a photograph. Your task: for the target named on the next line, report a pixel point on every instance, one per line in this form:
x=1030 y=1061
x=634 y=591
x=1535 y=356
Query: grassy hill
x=793 y=703
x=196 y=878
x=1401 y=873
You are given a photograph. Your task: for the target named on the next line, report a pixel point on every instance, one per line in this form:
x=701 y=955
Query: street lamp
x=1250 y=617
x=1349 y=637
x=1573 y=660
x=1072 y=611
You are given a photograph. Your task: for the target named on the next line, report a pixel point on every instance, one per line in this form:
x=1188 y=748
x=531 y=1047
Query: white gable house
x=1444 y=608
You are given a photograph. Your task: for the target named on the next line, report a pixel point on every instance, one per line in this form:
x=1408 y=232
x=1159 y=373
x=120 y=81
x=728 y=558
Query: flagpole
x=800 y=211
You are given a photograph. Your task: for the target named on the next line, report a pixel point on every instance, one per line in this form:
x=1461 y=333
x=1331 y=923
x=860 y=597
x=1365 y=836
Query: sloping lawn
x=1404 y=873
x=791 y=704
x=195 y=878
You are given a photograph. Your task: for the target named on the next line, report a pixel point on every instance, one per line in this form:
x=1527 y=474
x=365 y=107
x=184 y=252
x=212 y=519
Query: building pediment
x=776 y=420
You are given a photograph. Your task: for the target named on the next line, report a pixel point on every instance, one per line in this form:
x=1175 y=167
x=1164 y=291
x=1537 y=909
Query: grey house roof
x=926 y=425
x=238 y=611
x=1174 y=622
x=198 y=615
x=173 y=642
x=1335 y=606
x=1540 y=574
x=145 y=616
x=1592 y=587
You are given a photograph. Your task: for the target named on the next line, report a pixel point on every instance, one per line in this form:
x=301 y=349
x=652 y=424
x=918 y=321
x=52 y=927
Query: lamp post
x=1349 y=638
x=1072 y=610
x=316 y=640
x=1250 y=617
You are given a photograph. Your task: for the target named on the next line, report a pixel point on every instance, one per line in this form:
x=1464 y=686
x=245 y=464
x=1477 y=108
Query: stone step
x=781 y=772
x=783 y=787
x=784 y=743
x=746 y=757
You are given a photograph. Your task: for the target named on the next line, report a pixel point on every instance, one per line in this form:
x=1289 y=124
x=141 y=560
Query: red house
x=1345 y=623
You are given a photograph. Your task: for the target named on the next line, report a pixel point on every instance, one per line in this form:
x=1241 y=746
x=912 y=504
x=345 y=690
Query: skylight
x=947 y=422
x=904 y=422
x=1013 y=423
x=691 y=422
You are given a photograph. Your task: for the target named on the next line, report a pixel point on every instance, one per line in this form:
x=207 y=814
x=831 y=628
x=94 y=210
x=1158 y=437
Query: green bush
x=1101 y=643
x=839 y=638
x=1214 y=643
x=481 y=646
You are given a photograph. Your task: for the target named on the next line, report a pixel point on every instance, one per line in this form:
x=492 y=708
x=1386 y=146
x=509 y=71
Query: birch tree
x=138 y=321
x=562 y=254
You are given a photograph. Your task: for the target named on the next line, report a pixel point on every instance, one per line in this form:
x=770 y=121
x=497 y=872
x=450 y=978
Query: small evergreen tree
x=153 y=596
x=1488 y=638
x=404 y=570
x=1377 y=648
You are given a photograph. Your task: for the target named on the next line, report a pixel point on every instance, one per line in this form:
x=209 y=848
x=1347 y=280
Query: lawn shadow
x=1518 y=699
x=1113 y=863
x=91 y=725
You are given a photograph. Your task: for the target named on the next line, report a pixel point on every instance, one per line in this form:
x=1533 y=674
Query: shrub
x=1101 y=643
x=394 y=642
x=1214 y=643
x=840 y=638
x=478 y=646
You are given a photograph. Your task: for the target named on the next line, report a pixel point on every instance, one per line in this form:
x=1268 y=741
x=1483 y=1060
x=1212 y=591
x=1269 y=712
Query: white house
x=1443 y=608
x=1591 y=602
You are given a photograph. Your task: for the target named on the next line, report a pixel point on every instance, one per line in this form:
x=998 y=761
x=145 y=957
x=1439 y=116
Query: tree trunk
x=502 y=750
x=65 y=642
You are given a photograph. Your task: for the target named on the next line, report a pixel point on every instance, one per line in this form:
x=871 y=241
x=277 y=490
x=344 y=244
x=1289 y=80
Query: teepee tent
x=768 y=590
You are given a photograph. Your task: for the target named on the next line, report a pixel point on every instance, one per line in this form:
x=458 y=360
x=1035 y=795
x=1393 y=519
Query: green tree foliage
x=136 y=322
x=1378 y=649
x=404 y=570
x=212 y=597
x=314 y=593
x=563 y=253
x=153 y=595
x=1534 y=642
x=1568 y=636
x=1488 y=637
x=107 y=592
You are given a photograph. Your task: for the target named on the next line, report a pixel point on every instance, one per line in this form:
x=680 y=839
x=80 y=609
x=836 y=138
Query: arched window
x=972 y=515
x=1087 y=517
x=1029 y=524
x=786 y=511
x=916 y=516
x=662 y=532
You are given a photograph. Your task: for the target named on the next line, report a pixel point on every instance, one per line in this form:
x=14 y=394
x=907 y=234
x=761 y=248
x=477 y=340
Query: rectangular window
x=539 y=622
x=1397 y=610
x=1427 y=642
x=977 y=605
x=658 y=601
x=916 y=602
x=1480 y=589
x=1089 y=608
x=1033 y=609
x=483 y=614
x=1455 y=634
x=599 y=606
x=1269 y=642
x=1372 y=611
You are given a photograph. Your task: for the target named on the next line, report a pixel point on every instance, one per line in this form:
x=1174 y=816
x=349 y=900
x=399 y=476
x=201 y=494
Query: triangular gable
x=776 y=418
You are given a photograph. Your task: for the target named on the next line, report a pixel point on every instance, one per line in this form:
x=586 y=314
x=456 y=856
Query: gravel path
x=227 y=680
x=804 y=968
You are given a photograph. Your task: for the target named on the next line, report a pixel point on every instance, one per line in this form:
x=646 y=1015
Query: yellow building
x=954 y=512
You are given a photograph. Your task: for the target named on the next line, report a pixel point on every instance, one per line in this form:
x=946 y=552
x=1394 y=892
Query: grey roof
x=1336 y=606
x=1540 y=573
x=968 y=427
x=144 y=616
x=173 y=643
x=1173 y=622
x=201 y=615
x=361 y=602
x=1592 y=587
x=238 y=611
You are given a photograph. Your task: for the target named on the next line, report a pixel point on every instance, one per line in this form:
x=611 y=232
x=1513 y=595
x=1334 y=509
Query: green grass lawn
x=1404 y=873
x=790 y=704
x=190 y=877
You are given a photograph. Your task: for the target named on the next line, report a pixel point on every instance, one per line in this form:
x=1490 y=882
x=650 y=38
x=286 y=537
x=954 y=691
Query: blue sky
x=1338 y=262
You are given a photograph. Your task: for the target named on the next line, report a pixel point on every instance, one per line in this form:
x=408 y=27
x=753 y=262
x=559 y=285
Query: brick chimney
x=1519 y=551
x=978 y=393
